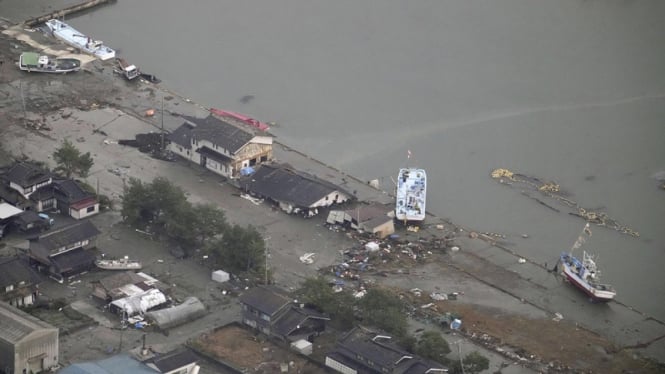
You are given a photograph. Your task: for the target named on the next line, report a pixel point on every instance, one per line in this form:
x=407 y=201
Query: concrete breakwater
x=86 y=5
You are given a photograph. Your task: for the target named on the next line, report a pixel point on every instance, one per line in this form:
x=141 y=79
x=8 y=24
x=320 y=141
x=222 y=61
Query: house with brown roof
x=220 y=146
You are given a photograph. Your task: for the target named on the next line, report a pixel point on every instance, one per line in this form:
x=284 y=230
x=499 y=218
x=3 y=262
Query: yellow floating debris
x=550 y=187
x=502 y=173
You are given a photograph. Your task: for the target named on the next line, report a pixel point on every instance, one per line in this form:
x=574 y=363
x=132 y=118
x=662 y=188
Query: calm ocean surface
x=571 y=91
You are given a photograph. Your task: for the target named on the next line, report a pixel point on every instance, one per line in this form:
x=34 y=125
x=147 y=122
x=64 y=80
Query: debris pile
x=152 y=143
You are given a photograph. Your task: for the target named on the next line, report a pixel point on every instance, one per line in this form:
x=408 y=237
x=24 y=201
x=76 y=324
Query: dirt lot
x=74 y=106
x=246 y=351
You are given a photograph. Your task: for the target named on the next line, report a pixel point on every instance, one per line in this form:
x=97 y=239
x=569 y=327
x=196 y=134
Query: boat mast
x=581 y=239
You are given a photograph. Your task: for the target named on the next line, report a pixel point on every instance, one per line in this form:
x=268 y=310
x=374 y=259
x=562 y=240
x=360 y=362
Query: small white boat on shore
x=34 y=62
x=78 y=40
x=120 y=264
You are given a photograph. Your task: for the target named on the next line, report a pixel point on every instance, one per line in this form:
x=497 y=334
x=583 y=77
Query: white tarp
x=139 y=304
x=8 y=210
x=220 y=276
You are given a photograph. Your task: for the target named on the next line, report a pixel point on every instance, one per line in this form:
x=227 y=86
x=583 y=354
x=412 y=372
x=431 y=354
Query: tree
x=318 y=293
x=210 y=222
x=433 y=346
x=240 y=250
x=70 y=160
x=160 y=205
x=473 y=363
x=382 y=309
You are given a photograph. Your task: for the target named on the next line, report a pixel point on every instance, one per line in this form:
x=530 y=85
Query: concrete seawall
x=86 y=5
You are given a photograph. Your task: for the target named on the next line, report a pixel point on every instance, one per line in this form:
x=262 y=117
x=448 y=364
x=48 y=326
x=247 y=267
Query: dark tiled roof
x=28 y=216
x=182 y=135
x=43 y=193
x=205 y=151
x=382 y=352
x=173 y=360
x=218 y=132
x=284 y=184
x=14 y=270
x=9 y=195
x=70 y=190
x=26 y=175
x=71 y=234
x=73 y=259
x=267 y=300
x=295 y=317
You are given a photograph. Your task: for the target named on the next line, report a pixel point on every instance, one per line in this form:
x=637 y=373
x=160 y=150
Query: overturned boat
x=77 y=40
x=411 y=194
x=241 y=118
x=118 y=264
x=585 y=274
x=34 y=62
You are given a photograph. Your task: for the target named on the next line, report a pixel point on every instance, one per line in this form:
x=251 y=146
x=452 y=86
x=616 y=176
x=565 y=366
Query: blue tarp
x=247 y=171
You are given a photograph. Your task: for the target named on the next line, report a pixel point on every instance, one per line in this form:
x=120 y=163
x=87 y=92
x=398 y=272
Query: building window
x=90 y=209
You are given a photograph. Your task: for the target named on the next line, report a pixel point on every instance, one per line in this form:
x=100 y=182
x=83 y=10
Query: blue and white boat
x=585 y=274
x=411 y=195
x=80 y=41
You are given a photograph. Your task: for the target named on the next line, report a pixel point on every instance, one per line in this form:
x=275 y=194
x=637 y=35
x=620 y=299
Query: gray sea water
x=571 y=91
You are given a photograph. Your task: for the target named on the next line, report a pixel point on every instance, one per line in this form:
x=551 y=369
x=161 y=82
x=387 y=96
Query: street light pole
x=459 y=352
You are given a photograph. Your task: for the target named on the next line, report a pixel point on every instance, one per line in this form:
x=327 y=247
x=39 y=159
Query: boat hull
x=44 y=64
x=241 y=117
x=598 y=293
x=119 y=265
x=411 y=195
x=74 y=38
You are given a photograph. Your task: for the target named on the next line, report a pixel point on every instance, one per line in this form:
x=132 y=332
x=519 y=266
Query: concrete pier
x=65 y=12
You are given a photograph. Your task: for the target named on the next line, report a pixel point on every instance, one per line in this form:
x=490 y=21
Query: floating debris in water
x=553 y=190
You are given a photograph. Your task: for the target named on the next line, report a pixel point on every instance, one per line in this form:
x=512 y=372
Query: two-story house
x=273 y=312
x=294 y=191
x=65 y=252
x=18 y=282
x=29 y=187
x=26 y=178
x=220 y=146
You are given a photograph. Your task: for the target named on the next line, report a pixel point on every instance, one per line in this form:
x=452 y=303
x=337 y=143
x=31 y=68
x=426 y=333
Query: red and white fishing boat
x=585 y=274
x=241 y=118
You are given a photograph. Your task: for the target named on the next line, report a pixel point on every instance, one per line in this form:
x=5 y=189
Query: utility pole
x=265 y=247
x=162 y=149
x=459 y=352
x=25 y=116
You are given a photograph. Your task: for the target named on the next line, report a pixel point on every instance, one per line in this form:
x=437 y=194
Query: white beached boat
x=34 y=62
x=78 y=40
x=585 y=274
x=411 y=194
x=121 y=264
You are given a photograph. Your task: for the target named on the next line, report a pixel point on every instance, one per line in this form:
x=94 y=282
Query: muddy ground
x=507 y=314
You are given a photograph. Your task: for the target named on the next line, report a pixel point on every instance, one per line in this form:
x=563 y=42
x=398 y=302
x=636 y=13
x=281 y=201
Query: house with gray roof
x=26 y=178
x=18 y=281
x=220 y=146
x=179 y=361
x=273 y=312
x=295 y=192
x=27 y=344
x=66 y=251
x=118 y=364
x=365 y=351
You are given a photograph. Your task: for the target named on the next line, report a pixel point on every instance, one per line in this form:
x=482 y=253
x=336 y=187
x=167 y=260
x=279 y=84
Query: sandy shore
x=94 y=109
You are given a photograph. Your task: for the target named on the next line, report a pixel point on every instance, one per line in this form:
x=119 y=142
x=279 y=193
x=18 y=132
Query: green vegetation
x=433 y=346
x=162 y=209
x=473 y=363
x=71 y=161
